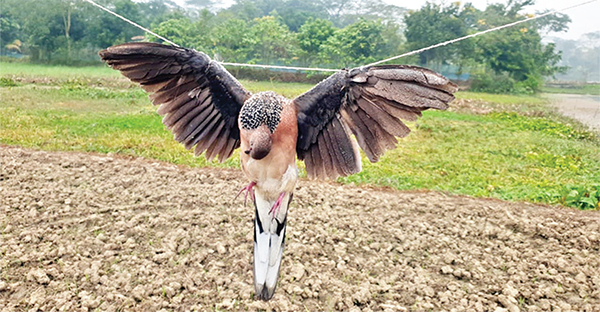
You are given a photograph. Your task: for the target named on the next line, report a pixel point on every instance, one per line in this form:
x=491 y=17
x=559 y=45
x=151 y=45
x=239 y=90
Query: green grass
x=505 y=153
x=28 y=70
x=504 y=99
x=493 y=155
x=74 y=98
x=134 y=133
x=289 y=90
x=586 y=89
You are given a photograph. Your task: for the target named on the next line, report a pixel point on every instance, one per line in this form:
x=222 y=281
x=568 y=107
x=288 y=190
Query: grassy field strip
x=587 y=89
x=63 y=72
x=516 y=150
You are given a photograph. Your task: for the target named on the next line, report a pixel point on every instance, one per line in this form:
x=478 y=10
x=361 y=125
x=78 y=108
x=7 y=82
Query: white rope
x=280 y=67
x=479 y=33
x=132 y=23
x=372 y=64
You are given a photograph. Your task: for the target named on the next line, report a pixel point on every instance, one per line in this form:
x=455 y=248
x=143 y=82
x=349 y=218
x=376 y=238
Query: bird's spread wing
x=199 y=99
x=369 y=102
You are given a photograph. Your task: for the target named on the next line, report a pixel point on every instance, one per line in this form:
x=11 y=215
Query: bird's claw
x=249 y=190
x=275 y=209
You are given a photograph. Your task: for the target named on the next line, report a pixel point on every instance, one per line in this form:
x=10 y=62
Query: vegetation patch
x=502 y=152
x=543 y=125
x=585 y=89
x=7 y=82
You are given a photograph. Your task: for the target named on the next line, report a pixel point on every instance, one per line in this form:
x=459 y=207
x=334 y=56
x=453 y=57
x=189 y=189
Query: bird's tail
x=269 y=237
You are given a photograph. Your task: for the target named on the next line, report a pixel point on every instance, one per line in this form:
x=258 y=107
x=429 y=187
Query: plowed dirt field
x=82 y=232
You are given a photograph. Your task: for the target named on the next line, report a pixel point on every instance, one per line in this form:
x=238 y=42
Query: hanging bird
x=207 y=109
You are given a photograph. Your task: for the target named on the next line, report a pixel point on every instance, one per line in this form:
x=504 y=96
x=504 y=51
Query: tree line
x=333 y=34
x=582 y=56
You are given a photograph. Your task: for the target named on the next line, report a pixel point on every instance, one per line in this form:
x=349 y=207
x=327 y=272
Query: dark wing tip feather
x=134 y=49
x=189 y=87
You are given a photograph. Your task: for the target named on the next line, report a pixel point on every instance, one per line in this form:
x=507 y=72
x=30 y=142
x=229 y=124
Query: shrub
x=491 y=83
x=7 y=82
x=581 y=197
x=495 y=83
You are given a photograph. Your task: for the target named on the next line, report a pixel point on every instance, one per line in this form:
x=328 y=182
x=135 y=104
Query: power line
x=132 y=23
x=280 y=67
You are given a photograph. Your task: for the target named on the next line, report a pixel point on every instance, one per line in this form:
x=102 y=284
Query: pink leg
x=248 y=189
x=275 y=209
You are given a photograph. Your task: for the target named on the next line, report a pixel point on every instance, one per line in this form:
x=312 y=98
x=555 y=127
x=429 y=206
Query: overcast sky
x=584 y=19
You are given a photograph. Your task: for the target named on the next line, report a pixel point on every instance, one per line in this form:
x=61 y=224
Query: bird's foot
x=248 y=189
x=275 y=209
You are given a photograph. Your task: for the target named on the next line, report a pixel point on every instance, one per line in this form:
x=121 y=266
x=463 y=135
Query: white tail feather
x=269 y=237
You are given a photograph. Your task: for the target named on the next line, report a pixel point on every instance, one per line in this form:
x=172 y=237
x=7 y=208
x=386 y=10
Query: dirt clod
x=82 y=232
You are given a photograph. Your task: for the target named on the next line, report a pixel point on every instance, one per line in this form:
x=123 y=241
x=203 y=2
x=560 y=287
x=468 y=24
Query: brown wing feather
x=323 y=141
x=369 y=102
x=348 y=159
x=317 y=162
x=390 y=124
x=199 y=99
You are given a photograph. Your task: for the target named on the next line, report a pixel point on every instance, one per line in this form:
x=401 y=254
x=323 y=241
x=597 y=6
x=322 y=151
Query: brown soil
x=83 y=232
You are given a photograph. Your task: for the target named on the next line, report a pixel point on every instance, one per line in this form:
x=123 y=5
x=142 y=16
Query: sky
x=584 y=19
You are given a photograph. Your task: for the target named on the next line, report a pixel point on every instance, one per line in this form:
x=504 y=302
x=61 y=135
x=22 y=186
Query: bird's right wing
x=369 y=102
x=199 y=99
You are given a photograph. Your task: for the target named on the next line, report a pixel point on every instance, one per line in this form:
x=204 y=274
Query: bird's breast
x=274 y=171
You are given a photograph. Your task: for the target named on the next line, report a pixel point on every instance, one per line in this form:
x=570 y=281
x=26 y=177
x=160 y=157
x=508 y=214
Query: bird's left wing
x=199 y=99
x=370 y=103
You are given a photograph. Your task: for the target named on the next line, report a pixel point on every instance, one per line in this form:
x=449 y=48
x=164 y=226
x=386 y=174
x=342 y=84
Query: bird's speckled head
x=263 y=108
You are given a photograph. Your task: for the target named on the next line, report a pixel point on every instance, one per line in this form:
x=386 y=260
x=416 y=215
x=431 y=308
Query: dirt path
x=84 y=232
x=585 y=108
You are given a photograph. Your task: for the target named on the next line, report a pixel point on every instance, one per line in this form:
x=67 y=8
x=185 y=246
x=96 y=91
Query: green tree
x=354 y=45
x=271 y=42
x=581 y=56
x=433 y=24
x=154 y=12
x=232 y=41
x=312 y=35
x=518 y=52
x=293 y=13
x=72 y=31
x=106 y=30
x=336 y=9
x=179 y=30
x=9 y=31
x=184 y=32
x=510 y=60
x=40 y=33
x=370 y=10
x=244 y=9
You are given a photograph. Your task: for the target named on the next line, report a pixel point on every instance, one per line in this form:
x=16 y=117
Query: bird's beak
x=259 y=154
x=260 y=143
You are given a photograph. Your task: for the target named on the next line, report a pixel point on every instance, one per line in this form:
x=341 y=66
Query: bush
x=494 y=83
x=7 y=82
x=491 y=83
x=581 y=197
x=532 y=84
